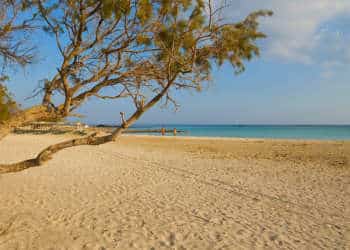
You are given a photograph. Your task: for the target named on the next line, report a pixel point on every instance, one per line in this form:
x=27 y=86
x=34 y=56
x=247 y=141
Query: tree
x=8 y=106
x=14 y=50
x=138 y=49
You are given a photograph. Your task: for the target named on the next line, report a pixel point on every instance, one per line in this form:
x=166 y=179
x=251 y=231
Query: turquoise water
x=320 y=132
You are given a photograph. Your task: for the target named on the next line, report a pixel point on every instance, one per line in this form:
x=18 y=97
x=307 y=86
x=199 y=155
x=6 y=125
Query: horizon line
x=231 y=124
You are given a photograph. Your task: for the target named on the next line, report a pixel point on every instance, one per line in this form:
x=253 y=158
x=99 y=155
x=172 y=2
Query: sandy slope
x=152 y=193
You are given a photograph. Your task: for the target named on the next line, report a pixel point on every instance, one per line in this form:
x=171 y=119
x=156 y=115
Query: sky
x=301 y=77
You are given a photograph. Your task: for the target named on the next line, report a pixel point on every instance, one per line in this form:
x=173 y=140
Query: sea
x=317 y=132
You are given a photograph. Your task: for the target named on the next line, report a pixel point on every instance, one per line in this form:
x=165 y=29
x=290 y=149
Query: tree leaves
x=139 y=45
x=144 y=11
x=115 y=8
x=7 y=105
x=143 y=39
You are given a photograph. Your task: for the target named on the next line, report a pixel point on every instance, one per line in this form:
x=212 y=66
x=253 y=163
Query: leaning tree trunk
x=46 y=154
x=40 y=112
x=93 y=139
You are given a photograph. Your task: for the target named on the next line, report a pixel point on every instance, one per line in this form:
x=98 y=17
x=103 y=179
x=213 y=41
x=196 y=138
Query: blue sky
x=302 y=76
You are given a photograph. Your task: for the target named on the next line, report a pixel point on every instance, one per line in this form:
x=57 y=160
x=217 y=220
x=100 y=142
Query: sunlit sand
x=145 y=192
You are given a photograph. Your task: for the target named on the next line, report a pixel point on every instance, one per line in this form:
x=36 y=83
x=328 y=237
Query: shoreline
x=186 y=137
x=189 y=137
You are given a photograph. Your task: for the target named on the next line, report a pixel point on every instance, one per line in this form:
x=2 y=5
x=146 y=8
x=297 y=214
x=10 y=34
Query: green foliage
x=144 y=11
x=143 y=39
x=14 y=45
x=181 y=30
x=191 y=40
x=185 y=38
x=143 y=44
x=196 y=19
x=118 y=8
x=7 y=105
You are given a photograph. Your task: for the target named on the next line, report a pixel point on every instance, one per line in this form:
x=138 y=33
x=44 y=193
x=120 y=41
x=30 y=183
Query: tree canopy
x=7 y=105
x=136 y=48
x=144 y=50
x=15 y=48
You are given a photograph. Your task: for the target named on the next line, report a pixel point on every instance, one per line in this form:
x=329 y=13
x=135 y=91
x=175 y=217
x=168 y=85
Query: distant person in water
x=175 y=131
x=163 y=131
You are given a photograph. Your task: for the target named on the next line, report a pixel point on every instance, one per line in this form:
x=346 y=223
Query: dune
x=147 y=192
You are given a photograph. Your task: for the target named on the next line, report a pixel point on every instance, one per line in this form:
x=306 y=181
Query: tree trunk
x=46 y=154
x=41 y=111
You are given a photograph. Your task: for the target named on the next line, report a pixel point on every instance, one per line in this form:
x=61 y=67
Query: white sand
x=153 y=193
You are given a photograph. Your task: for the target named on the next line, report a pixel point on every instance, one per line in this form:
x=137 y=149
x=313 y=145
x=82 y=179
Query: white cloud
x=297 y=31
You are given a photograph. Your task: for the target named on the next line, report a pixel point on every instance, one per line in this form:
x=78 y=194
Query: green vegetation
x=7 y=105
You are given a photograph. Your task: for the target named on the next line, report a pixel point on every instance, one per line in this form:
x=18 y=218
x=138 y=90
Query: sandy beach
x=145 y=192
